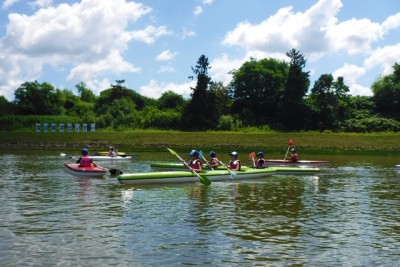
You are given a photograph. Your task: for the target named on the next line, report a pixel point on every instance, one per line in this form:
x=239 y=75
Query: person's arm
x=93 y=163
x=79 y=160
x=199 y=167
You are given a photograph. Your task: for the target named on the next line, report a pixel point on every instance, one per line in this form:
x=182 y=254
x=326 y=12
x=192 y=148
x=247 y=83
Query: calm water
x=348 y=215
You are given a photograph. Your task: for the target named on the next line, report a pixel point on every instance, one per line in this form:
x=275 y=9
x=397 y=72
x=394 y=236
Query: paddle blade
x=290 y=143
x=204 y=180
x=63 y=154
x=115 y=172
x=252 y=155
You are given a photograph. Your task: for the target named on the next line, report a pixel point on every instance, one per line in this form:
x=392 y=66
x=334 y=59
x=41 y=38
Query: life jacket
x=234 y=163
x=214 y=161
x=261 y=163
x=294 y=158
x=85 y=162
x=193 y=163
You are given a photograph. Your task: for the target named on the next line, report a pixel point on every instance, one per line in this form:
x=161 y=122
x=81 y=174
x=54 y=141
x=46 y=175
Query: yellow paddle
x=203 y=179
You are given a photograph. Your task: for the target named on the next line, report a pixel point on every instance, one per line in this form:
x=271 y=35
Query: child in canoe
x=195 y=163
x=85 y=160
x=214 y=161
x=234 y=163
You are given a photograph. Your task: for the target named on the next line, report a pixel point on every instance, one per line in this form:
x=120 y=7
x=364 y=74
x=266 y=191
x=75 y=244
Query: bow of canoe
x=74 y=169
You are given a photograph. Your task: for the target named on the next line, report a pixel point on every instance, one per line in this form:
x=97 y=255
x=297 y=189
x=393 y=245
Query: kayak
x=171 y=177
x=173 y=166
x=74 y=169
x=110 y=158
x=122 y=154
x=274 y=162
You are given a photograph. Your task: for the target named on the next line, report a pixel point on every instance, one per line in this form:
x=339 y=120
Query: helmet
x=234 y=153
x=112 y=148
x=193 y=153
x=213 y=154
x=293 y=150
x=85 y=151
x=260 y=154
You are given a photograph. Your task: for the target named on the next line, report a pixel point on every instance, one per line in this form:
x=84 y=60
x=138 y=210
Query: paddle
x=113 y=172
x=252 y=155
x=202 y=156
x=203 y=179
x=290 y=143
x=232 y=173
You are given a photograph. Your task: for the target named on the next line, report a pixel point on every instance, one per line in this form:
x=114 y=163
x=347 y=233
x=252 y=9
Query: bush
x=372 y=124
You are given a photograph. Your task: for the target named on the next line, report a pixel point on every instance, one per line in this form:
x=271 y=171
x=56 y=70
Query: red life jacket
x=214 y=161
x=85 y=161
x=234 y=163
x=261 y=163
x=193 y=163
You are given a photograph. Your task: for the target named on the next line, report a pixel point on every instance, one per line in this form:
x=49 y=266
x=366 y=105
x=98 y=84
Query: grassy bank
x=159 y=140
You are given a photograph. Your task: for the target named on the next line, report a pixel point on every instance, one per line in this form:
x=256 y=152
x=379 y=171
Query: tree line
x=270 y=94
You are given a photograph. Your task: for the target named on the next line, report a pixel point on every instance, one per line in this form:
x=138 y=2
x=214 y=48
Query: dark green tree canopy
x=256 y=88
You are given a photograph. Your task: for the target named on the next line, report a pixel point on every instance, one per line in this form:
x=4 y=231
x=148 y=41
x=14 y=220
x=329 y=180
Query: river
x=348 y=215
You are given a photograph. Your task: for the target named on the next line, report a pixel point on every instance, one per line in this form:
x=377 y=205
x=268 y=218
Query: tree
x=37 y=99
x=200 y=113
x=293 y=107
x=171 y=100
x=329 y=100
x=4 y=106
x=256 y=89
x=386 y=92
x=86 y=94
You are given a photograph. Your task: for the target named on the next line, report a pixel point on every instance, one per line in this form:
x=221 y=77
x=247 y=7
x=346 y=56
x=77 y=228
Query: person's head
x=85 y=152
x=213 y=154
x=260 y=154
x=293 y=150
x=234 y=154
x=194 y=153
x=112 y=148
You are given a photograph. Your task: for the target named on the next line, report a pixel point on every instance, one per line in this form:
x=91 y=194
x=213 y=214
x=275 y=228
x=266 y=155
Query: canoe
x=171 y=177
x=74 y=169
x=275 y=162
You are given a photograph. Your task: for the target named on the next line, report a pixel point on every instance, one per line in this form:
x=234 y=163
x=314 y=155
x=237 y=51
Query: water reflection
x=347 y=215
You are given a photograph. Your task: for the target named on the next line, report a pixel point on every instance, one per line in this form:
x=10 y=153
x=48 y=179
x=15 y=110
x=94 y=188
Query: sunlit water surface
x=348 y=215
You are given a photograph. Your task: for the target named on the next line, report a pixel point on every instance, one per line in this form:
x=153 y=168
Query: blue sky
x=153 y=44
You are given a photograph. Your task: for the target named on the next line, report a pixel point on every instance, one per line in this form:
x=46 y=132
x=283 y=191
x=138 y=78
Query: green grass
x=153 y=140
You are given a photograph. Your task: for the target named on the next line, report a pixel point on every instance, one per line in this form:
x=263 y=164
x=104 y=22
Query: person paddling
x=85 y=160
x=293 y=155
x=234 y=163
x=195 y=163
x=261 y=163
x=112 y=152
x=214 y=161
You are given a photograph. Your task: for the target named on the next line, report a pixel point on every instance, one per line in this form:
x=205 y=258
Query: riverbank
x=159 y=140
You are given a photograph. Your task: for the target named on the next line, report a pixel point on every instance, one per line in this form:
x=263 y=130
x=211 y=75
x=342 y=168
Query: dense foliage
x=266 y=94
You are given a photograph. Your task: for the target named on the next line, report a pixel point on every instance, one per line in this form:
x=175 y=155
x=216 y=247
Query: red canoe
x=74 y=169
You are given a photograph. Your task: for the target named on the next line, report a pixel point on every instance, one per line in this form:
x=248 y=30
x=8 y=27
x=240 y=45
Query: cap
x=260 y=154
x=193 y=153
x=85 y=151
x=213 y=154
x=234 y=153
x=293 y=150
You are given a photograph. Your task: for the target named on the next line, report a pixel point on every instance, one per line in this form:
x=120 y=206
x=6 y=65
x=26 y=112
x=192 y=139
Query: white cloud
x=187 y=33
x=166 y=68
x=150 y=34
x=384 y=57
x=198 y=10
x=350 y=74
x=41 y=3
x=9 y=3
x=155 y=89
x=208 y=2
x=166 y=55
x=69 y=34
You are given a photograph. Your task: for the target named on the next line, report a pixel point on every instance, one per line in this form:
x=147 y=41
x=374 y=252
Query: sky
x=153 y=44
